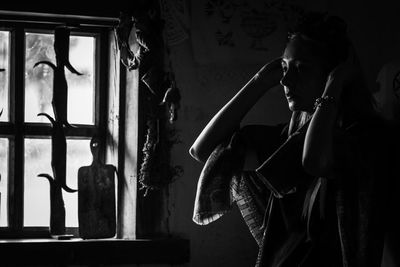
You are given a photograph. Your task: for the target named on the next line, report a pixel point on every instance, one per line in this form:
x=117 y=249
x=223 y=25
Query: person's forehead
x=299 y=49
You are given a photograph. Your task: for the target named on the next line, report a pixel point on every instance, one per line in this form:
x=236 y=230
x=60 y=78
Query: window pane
x=81 y=87
x=3 y=181
x=4 y=74
x=39 y=80
x=37 y=189
x=36 y=193
x=78 y=155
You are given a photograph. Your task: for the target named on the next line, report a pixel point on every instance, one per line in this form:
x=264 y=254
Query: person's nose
x=288 y=78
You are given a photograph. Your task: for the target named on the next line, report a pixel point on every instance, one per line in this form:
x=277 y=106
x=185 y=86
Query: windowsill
x=94 y=251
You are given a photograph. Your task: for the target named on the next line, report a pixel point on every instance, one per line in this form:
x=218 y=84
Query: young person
x=313 y=191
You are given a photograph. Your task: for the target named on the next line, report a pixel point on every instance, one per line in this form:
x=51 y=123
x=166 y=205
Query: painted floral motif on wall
x=225 y=31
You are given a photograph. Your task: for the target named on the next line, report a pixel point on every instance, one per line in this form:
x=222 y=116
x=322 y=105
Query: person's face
x=304 y=74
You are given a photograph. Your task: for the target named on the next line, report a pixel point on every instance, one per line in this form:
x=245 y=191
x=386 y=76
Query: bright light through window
x=81 y=88
x=39 y=80
x=37 y=189
x=26 y=139
x=4 y=74
x=3 y=181
x=78 y=155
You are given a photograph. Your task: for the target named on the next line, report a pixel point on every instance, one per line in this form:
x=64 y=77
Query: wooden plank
x=96 y=197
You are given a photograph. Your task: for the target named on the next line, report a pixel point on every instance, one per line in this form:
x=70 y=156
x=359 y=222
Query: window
x=105 y=100
x=25 y=138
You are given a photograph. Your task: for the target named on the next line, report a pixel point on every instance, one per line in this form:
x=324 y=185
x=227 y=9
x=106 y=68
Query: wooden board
x=96 y=199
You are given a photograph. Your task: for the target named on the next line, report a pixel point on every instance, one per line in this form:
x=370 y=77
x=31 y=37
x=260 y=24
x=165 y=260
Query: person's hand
x=271 y=73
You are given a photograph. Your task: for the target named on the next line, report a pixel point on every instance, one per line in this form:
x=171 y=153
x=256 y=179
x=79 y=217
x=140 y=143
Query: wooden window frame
x=16 y=129
x=148 y=246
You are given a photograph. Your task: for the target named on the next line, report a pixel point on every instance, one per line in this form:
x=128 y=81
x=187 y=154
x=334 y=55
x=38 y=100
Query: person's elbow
x=195 y=154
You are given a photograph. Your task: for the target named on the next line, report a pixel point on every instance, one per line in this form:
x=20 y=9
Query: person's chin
x=296 y=106
x=293 y=105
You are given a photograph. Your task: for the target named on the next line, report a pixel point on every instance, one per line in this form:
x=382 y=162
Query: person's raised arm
x=228 y=118
x=318 y=144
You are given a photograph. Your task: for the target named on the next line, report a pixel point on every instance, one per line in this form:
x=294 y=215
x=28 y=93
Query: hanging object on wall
x=172 y=96
x=139 y=46
x=96 y=197
x=171 y=100
x=135 y=38
x=156 y=170
x=148 y=161
x=60 y=86
x=153 y=80
x=125 y=34
x=142 y=46
x=387 y=93
x=162 y=110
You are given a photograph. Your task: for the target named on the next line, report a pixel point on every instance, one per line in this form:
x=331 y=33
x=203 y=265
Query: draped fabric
x=345 y=221
x=364 y=174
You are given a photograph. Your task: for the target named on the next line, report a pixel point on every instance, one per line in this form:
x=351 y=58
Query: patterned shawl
x=359 y=193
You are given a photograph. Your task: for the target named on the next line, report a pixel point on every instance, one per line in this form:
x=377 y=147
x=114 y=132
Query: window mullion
x=17 y=116
x=43 y=129
x=102 y=57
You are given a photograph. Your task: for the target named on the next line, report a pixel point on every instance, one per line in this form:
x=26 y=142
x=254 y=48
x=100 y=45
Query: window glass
x=4 y=74
x=39 y=80
x=81 y=87
x=37 y=189
x=36 y=193
x=78 y=155
x=3 y=181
